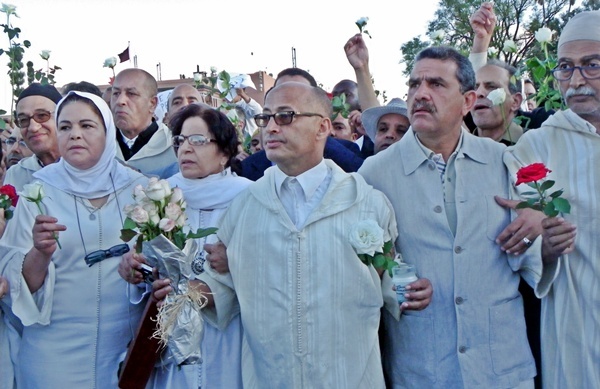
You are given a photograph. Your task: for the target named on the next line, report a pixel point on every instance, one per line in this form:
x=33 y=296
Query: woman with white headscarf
x=77 y=317
x=206 y=143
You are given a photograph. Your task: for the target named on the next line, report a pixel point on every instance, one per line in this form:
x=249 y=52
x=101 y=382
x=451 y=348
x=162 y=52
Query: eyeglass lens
x=40 y=117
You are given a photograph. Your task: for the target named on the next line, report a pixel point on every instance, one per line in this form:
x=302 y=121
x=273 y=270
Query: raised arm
x=358 y=57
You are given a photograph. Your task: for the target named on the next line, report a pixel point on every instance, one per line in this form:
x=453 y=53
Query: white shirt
x=128 y=142
x=300 y=195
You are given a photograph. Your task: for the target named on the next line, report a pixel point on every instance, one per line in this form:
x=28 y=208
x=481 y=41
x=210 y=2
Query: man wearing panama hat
x=387 y=124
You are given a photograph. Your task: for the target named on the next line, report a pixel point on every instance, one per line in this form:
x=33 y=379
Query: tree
x=517 y=20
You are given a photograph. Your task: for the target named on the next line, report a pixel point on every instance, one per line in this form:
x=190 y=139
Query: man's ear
x=470 y=98
x=325 y=128
x=517 y=100
x=153 y=103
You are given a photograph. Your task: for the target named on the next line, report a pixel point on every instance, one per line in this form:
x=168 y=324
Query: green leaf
x=556 y=194
x=127 y=234
x=561 y=205
x=378 y=261
x=387 y=247
x=129 y=224
x=363 y=258
x=201 y=233
x=523 y=204
x=546 y=185
x=549 y=210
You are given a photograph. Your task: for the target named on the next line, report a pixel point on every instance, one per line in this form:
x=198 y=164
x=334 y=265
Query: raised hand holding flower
x=34 y=193
x=551 y=205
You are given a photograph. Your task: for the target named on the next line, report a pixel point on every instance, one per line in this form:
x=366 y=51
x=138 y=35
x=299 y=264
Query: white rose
x=9 y=9
x=45 y=54
x=367 y=237
x=197 y=77
x=173 y=211
x=492 y=51
x=180 y=222
x=154 y=219
x=543 y=35
x=437 y=35
x=128 y=209
x=497 y=96
x=156 y=190
x=509 y=46
x=139 y=194
x=166 y=224
x=139 y=215
x=177 y=195
x=213 y=70
x=362 y=21
x=167 y=187
x=33 y=192
x=110 y=62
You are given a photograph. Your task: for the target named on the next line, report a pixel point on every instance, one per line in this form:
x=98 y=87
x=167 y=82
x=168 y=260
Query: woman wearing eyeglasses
x=76 y=314
x=206 y=144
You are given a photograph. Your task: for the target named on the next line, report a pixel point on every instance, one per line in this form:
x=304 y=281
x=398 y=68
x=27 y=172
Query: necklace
x=91 y=209
x=200 y=258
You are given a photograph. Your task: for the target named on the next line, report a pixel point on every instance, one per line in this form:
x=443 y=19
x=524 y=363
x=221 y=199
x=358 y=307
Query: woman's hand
x=45 y=234
x=160 y=289
x=130 y=265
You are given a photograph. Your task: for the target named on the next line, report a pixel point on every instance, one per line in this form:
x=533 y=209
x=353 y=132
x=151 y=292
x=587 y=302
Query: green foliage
x=340 y=106
x=551 y=205
x=516 y=20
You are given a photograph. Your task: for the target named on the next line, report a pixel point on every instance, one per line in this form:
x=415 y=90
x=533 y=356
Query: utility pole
x=293 y=57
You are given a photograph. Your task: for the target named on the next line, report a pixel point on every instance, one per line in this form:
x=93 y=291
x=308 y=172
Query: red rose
x=532 y=173
x=11 y=192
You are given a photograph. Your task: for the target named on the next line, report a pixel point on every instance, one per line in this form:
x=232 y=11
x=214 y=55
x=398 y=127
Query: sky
x=236 y=36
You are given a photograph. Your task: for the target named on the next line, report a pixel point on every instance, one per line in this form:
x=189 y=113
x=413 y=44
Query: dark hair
x=82 y=86
x=464 y=73
x=297 y=72
x=514 y=85
x=72 y=98
x=219 y=126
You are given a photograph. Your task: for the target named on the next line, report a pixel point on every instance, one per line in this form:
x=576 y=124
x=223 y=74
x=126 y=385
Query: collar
x=126 y=140
x=309 y=180
x=413 y=153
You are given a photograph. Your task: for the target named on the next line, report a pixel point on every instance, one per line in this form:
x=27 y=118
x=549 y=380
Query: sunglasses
x=23 y=121
x=101 y=255
x=194 y=140
x=281 y=118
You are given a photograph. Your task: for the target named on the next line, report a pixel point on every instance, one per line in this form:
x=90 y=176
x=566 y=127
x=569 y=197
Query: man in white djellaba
x=568 y=143
x=309 y=306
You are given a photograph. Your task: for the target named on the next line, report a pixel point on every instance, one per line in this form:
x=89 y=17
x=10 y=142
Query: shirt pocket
x=415 y=348
x=509 y=346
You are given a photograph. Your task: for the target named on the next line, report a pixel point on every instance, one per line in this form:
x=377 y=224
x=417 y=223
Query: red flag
x=124 y=56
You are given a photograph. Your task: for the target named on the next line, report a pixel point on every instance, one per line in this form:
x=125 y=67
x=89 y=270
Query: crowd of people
x=506 y=297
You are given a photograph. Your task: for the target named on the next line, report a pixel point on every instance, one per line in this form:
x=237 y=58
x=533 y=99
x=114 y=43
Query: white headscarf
x=96 y=181
x=212 y=192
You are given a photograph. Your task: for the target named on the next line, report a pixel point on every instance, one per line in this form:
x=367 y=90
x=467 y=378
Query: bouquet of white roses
x=158 y=220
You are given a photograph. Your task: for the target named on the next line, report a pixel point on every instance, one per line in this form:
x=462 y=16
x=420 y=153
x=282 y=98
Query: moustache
x=581 y=91
x=422 y=106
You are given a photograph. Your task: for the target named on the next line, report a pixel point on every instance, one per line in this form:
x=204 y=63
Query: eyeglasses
x=194 y=140
x=281 y=118
x=562 y=73
x=101 y=255
x=11 y=141
x=40 y=117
